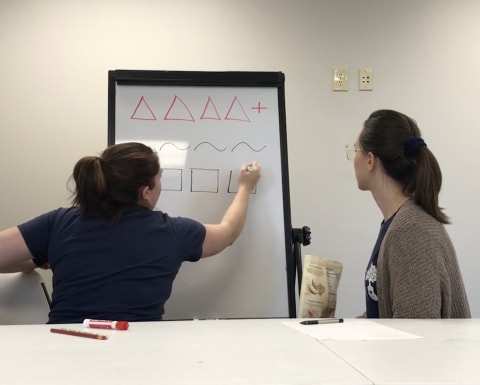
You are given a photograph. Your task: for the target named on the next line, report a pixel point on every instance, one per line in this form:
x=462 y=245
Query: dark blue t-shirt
x=371 y=273
x=122 y=271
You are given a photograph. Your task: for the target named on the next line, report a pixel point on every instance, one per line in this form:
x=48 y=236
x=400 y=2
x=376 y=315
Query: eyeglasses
x=350 y=150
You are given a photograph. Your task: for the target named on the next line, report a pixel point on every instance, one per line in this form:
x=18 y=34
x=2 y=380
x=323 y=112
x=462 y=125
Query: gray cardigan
x=417 y=270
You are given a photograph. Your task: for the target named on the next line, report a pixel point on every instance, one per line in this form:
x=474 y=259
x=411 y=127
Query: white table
x=449 y=353
x=234 y=352
x=228 y=352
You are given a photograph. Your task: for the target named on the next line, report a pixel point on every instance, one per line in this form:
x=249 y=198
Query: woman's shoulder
x=156 y=216
x=63 y=213
x=55 y=214
x=411 y=212
x=413 y=222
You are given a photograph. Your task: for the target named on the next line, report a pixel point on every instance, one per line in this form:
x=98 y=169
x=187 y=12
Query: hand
x=249 y=175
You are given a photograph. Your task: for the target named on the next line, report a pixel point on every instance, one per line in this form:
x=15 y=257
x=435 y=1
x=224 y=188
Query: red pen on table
x=77 y=333
x=105 y=324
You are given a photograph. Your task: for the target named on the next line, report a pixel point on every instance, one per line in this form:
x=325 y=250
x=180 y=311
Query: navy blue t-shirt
x=123 y=271
x=371 y=273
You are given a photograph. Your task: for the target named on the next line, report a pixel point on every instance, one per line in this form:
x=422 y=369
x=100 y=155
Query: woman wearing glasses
x=413 y=271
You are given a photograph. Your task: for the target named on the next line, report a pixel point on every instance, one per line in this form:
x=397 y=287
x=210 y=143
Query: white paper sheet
x=351 y=329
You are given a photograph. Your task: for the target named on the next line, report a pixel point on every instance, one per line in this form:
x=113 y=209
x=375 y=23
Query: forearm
x=236 y=214
x=218 y=237
x=23 y=267
x=14 y=253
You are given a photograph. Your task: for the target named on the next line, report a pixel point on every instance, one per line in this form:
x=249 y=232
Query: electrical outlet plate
x=340 y=79
x=365 y=79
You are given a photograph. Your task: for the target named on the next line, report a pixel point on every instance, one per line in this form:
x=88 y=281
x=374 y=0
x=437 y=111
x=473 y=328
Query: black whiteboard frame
x=219 y=79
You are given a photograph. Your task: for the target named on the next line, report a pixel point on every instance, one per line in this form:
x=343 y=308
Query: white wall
x=55 y=55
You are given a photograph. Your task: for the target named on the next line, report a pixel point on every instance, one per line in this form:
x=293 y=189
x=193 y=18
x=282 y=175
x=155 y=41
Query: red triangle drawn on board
x=236 y=111
x=143 y=111
x=178 y=110
x=210 y=111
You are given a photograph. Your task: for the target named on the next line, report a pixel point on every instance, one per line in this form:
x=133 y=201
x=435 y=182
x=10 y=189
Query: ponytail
x=428 y=182
x=90 y=185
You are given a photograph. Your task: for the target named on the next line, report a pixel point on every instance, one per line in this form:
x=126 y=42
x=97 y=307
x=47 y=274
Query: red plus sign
x=258 y=107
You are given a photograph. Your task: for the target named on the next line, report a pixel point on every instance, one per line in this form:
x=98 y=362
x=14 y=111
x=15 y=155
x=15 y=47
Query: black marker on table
x=322 y=321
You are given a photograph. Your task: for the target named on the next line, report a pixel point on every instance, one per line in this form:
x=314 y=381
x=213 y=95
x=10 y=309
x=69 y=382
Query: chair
x=23 y=299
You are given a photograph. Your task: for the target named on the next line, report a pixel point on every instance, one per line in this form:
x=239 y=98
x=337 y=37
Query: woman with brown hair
x=413 y=271
x=112 y=255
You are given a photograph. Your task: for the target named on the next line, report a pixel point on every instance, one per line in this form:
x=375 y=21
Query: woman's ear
x=144 y=192
x=143 y=196
x=371 y=160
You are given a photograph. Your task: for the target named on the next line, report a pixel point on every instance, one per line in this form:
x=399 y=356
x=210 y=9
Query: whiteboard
x=204 y=125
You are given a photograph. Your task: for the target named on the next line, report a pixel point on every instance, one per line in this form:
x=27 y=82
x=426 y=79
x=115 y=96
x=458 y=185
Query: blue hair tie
x=412 y=145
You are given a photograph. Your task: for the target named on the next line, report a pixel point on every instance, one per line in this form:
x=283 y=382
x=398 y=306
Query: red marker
x=105 y=324
x=79 y=334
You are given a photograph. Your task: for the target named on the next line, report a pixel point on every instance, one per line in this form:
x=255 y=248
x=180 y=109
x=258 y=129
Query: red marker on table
x=105 y=324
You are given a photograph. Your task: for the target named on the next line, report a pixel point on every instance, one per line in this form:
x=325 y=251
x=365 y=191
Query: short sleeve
x=36 y=232
x=190 y=236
